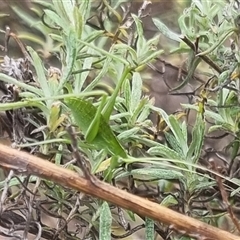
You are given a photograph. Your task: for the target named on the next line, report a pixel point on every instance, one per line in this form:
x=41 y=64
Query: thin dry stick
x=204 y=57
x=9 y=34
x=81 y=161
x=16 y=160
x=224 y=195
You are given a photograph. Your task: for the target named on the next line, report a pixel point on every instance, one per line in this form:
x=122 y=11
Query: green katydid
x=94 y=121
x=94 y=126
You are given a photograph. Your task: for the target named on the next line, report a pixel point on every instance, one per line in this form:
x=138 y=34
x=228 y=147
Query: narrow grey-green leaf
x=185 y=131
x=87 y=64
x=56 y=19
x=156 y=173
x=105 y=222
x=140 y=41
x=139 y=108
x=40 y=72
x=100 y=75
x=71 y=49
x=94 y=125
x=164 y=151
x=107 y=110
x=217 y=117
x=78 y=21
x=16 y=182
x=149 y=229
x=127 y=93
x=175 y=126
x=174 y=144
x=68 y=7
x=237 y=182
x=8 y=79
x=136 y=90
x=205 y=185
x=128 y=133
x=165 y=30
x=200 y=134
x=195 y=147
x=194 y=63
x=151 y=57
x=144 y=113
x=169 y=201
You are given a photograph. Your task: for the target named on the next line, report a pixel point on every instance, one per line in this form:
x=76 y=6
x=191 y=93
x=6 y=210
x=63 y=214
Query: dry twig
x=17 y=160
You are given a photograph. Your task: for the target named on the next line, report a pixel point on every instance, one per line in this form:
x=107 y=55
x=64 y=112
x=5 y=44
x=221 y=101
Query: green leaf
x=15 y=181
x=114 y=164
x=141 y=42
x=169 y=201
x=94 y=125
x=235 y=149
x=195 y=147
x=221 y=40
x=99 y=77
x=55 y=37
x=127 y=93
x=44 y=3
x=107 y=111
x=131 y=215
x=164 y=151
x=106 y=53
x=128 y=133
x=193 y=65
x=83 y=113
x=155 y=173
x=78 y=22
x=7 y=79
x=138 y=109
x=217 y=117
x=174 y=144
x=149 y=229
x=54 y=116
x=136 y=90
x=85 y=8
x=204 y=184
x=40 y=72
x=71 y=50
x=237 y=182
x=64 y=9
x=4 y=15
x=182 y=25
x=58 y=156
x=185 y=131
x=149 y=58
x=177 y=131
x=87 y=64
x=105 y=222
x=144 y=114
x=56 y=19
x=68 y=7
x=29 y=19
x=175 y=127
x=93 y=36
x=21 y=104
x=112 y=10
x=198 y=134
x=123 y=48
x=165 y=30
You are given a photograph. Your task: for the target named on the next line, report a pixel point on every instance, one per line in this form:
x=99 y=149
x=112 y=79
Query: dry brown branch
x=29 y=164
x=204 y=57
x=224 y=195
